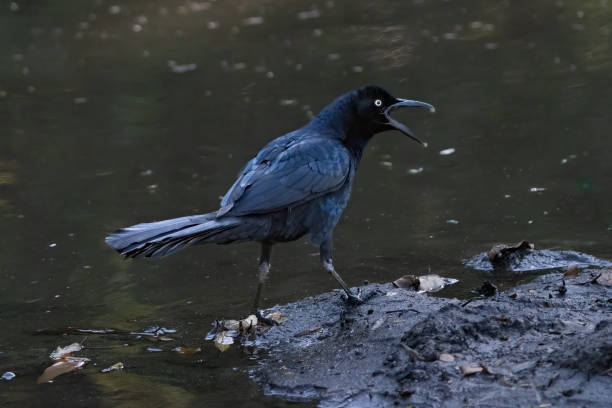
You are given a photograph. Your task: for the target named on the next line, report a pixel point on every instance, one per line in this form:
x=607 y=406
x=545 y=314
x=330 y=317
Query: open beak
x=400 y=126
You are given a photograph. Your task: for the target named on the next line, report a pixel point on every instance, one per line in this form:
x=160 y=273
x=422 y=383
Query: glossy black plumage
x=297 y=184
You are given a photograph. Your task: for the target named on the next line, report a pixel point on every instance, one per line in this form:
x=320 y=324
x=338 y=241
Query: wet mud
x=545 y=343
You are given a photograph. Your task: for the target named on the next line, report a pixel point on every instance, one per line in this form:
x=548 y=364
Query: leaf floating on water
x=8 y=376
x=572 y=271
x=223 y=341
x=469 y=369
x=66 y=365
x=60 y=352
x=407 y=282
x=187 y=350
x=447 y=358
x=605 y=278
x=114 y=367
x=500 y=251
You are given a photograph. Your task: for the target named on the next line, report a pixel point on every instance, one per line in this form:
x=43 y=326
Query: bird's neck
x=339 y=120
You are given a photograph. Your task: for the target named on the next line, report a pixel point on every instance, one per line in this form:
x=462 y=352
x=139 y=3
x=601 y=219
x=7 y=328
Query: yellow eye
x=378 y=102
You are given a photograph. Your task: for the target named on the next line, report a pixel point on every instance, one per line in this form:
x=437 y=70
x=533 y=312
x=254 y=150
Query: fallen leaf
x=60 y=352
x=187 y=350
x=447 y=358
x=605 y=278
x=114 y=367
x=277 y=316
x=431 y=283
x=500 y=251
x=469 y=369
x=407 y=282
x=572 y=271
x=63 y=366
x=223 y=340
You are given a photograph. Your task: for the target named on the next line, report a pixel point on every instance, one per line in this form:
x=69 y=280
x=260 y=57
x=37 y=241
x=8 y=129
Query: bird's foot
x=264 y=320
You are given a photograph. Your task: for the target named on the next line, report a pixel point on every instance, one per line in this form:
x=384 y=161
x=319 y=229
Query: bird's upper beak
x=400 y=126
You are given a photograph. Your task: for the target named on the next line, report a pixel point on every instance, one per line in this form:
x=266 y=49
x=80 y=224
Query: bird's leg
x=264 y=271
x=325 y=252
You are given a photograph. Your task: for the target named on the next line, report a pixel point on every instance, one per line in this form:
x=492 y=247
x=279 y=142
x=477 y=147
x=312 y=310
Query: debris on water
x=146 y=172
x=187 y=350
x=537 y=189
x=415 y=171
x=306 y=15
x=114 y=367
x=470 y=369
x=64 y=362
x=276 y=316
x=8 y=376
x=572 y=271
x=224 y=339
x=181 y=68
x=447 y=152
x=451 y=221
x=255 y=20
x=424 y=283
x=80 y=100
x=53 y=245
x=114 y=9
x=154 y=349
x=62 y=351
x=498 y=252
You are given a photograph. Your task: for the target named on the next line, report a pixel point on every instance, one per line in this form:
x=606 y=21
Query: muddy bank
x=538 y=344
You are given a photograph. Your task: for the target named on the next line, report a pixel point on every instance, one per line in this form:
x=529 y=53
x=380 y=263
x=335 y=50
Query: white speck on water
x=25 y=71
x=269 y=74
x=537 y=189
x=80 y=100
x=507 y=196
x=449 y=36
x=146 y=172
x=415 y=171
x=153 y=349
x=306 y=15
x=136 y=28
x=146 y=53
x=8 y=376
x=288 y=102
x=53 y=245
x=212 y=25
x=239 y=65
x=476 y=25
x=317 y=32
x=357 y=69
x=386 y=164
x=180 y=69
x=14 y=6
x=580 y=14
x=333 y=56
x=530 y=222
x=114 y=9
x=255 y=20
x=491 y=46
x=452 y=221
x=142 y=20
x=447 y=152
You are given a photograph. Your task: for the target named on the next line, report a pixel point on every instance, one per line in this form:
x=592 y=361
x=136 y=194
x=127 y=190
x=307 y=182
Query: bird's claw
x=264 y=320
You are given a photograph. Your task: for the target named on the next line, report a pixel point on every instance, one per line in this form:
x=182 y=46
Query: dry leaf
x=277 y=316
x=187 y=350
x=407 y=282
x=431 y=283
x=114 y=367
x=572 y=271
x=223 y=340
x=469 y=369
x=447 y=358
x=62 y=351
x=605 y=278
x=63 y=366
x=500 y=251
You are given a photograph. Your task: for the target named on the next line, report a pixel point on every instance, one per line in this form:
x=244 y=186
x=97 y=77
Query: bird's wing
x=287 y=175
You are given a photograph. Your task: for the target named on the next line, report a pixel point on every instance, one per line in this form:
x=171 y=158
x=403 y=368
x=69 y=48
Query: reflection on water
x=117 y=113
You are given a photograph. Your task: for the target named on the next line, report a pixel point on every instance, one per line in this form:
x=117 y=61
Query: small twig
x=413 y=353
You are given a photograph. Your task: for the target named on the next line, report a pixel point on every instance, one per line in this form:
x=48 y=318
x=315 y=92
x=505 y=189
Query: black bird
x=297 y=184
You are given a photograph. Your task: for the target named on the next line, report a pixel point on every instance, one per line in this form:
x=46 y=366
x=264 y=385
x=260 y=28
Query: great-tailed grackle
x=297 y=184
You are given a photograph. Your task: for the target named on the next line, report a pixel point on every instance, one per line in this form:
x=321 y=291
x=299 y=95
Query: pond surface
x=117 y=113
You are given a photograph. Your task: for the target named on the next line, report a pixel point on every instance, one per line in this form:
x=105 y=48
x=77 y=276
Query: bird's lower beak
x=400 y=126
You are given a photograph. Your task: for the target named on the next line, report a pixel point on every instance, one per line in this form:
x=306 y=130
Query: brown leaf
x=605 y=278
x=572 y=271
x=500 y=251
x=114 y=367
x=407 y=282
x=447 y=358
x=63 y=366
x=469 y=369
x=187 y=350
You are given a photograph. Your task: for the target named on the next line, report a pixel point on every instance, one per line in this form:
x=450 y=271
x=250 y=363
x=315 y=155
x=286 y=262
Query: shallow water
x=113 y=114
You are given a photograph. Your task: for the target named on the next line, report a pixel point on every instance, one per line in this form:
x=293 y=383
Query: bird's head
x=374 y=106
